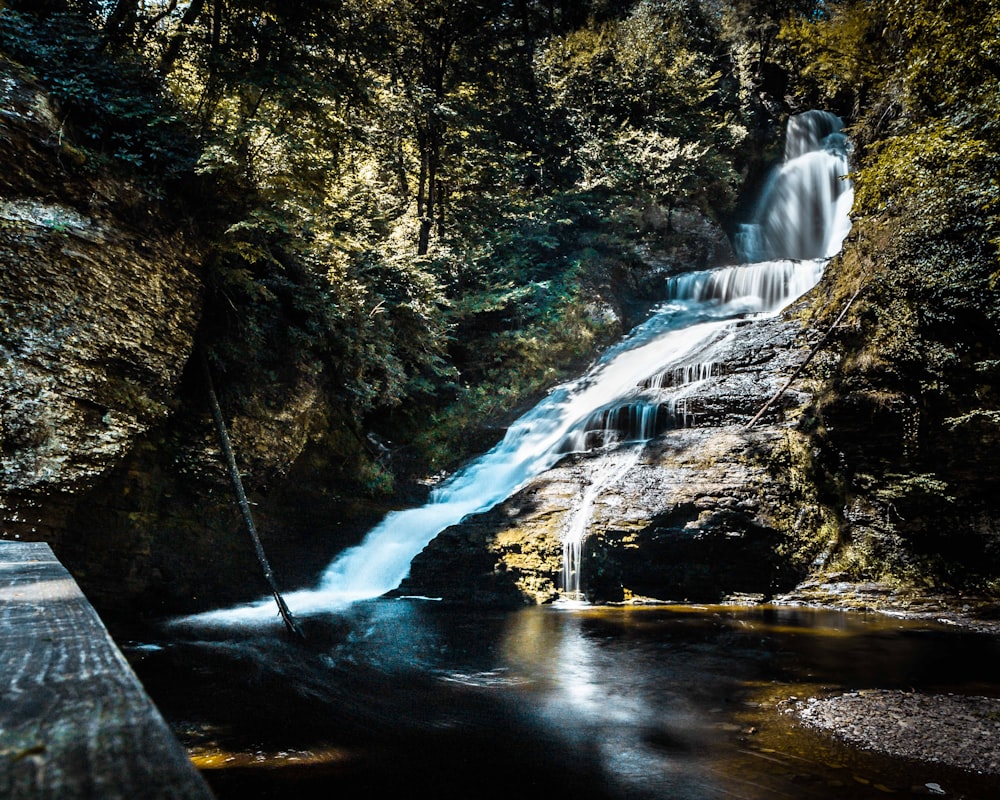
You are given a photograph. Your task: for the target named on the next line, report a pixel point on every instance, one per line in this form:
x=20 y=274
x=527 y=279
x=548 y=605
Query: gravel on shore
x=956 y=730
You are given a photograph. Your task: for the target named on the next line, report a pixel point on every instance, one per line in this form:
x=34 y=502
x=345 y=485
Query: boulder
x=706 y=511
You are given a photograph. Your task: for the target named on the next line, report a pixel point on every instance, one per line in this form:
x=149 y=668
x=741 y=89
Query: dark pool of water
x=419 y=699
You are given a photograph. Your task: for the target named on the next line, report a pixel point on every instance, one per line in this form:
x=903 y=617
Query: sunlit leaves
x=844 y=50
x=641 y=99
x=951 y=52
x=941 y=167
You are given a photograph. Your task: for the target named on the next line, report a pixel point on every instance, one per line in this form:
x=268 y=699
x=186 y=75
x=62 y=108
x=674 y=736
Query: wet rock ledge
x=954 y=730
x=708 y=510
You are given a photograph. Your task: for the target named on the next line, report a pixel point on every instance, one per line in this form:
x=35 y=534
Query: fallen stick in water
x=241 y=498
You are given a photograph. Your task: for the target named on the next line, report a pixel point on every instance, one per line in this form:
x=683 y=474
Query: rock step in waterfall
x=637 y=390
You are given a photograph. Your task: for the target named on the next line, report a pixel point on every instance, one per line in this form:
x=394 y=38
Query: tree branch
x=802 y=366
x=234 y=476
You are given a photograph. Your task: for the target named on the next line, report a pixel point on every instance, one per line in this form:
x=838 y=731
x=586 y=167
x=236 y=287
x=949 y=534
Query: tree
x=642 y=99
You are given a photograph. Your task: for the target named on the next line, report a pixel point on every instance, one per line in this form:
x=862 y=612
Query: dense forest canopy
x=413 y=205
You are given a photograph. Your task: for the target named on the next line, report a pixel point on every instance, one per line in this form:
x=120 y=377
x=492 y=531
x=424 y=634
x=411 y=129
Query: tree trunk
x=121 y=23
x=173 y=49
x=151 y=23
x=423 y=193
x=427 y=206
x=241 y=498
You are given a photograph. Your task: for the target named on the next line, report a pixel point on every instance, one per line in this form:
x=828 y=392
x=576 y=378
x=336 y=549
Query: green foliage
x=940 y=170
x=521 y=313
x=950 y=56
x=838 y=53
x=642 y=99
x=113 y=107
x=914 y=489
x=903 y=63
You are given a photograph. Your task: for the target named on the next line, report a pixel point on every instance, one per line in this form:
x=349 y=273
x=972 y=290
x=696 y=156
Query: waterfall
x=636 y=389
x=803 y=210
x=613 y=471
x=657 y=403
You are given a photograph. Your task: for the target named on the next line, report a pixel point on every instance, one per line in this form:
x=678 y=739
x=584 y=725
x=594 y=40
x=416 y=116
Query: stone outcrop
x=94 y=344
x=107 y=451
x=97 y=312
x=100 y=300
x=711 y=509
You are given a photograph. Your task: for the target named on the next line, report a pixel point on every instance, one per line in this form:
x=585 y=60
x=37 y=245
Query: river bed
x=416 y=698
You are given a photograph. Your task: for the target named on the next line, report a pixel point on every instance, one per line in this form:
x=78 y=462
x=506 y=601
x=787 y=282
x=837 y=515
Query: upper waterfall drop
x=803 y=211
x=635 y=389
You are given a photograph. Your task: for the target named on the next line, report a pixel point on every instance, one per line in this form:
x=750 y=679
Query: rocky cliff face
x=97 y=313
x=100 y=300
x=94 y=344
x=106 y=445
x=907 y=438
x=711 y=509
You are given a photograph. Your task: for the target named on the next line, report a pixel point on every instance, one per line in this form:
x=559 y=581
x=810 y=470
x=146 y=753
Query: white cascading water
x=803 y=210
x=616 y=468
x=635 y=391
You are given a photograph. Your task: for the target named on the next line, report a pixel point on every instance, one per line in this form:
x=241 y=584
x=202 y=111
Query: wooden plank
x=75 y=721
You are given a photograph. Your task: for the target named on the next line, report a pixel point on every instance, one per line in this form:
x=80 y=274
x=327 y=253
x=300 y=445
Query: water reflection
x=644 y=732
x=427 y=700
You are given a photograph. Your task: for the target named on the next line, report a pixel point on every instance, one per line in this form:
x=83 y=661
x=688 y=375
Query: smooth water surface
x=420 y=699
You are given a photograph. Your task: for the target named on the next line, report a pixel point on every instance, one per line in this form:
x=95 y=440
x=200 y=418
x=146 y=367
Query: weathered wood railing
x=74 y=720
